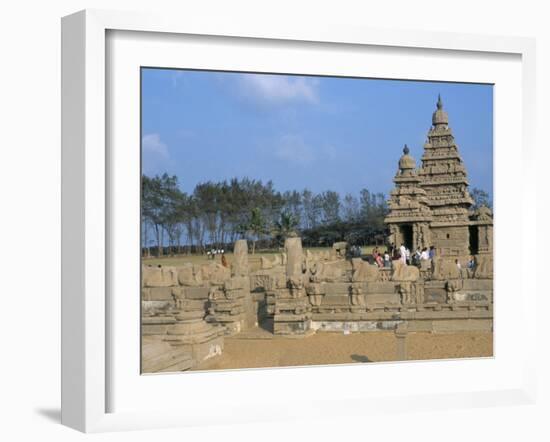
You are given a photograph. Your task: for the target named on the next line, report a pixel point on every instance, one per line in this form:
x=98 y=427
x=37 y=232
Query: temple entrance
x=474 y=240
x=406 y=231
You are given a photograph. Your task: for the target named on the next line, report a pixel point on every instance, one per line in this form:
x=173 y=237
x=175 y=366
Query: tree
x=216 y=213
x=311 y=210
x=329 y=202
x=481 y=198
x=350 y=208
x=256 y=226
x=285 y=226
x=158 y=202
x=292 y=204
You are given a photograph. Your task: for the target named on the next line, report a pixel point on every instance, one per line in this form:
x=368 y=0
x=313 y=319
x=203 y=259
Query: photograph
x=302 y=220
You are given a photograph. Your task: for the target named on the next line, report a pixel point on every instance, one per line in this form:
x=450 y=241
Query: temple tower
x=443 y=177
x=410 y=214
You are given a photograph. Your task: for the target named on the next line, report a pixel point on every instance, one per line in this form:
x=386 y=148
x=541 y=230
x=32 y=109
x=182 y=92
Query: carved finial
x=406 y=150
x=439 y=102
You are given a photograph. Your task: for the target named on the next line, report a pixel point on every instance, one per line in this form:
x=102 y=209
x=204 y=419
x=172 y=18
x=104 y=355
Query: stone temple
x=188 y=310
x=430 y=205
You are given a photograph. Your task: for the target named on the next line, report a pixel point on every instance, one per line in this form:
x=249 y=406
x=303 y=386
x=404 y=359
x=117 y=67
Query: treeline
x=216 y=214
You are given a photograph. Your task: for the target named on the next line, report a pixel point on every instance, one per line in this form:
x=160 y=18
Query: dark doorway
x=474 y=240
x=407 y=235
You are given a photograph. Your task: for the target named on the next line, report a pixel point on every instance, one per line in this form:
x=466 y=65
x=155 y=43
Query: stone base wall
x=187 y=310
x=367 y=298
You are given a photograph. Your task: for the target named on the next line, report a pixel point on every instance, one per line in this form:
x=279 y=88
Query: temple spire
x=440 y=117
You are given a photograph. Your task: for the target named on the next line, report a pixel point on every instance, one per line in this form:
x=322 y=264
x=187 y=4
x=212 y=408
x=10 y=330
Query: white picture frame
x=87 y=207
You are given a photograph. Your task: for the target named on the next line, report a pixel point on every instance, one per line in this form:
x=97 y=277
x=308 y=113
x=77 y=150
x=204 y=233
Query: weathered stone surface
x=382 y=299
x=239 y=266
x=438 y=295
x=477 y=284
x=160 y=294
x=267 y=263
x=156 y=306
x=484 y=267
x=332 y=299
x=295 y=259
x=238 y=283
x=190 y=275
x=339 y=249
x=404 y=272
x=380 y=288
x=156 y=325
x=215 y=273
x=329 y=271
x=362 y=271
x=445 y=269
x=159 y=276
x=196 y=292
x=159 y=356
x=337 y=288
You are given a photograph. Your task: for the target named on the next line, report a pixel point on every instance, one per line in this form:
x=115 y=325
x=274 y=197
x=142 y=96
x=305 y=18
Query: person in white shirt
x=403 y=253
x=387 y=262
x=424 y=255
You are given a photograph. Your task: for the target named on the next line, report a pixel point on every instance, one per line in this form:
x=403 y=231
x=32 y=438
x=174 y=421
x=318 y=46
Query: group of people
x=403 y=254
x=212 y=253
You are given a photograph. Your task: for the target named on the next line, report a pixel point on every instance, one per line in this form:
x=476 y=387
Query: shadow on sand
x=360 y=358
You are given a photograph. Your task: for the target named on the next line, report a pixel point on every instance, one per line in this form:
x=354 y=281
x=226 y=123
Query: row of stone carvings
x=190 y=308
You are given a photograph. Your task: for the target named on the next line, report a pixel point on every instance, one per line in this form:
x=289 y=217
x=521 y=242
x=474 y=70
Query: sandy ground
x=259 y=350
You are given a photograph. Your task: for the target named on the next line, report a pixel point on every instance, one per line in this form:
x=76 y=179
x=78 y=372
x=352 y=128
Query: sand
x=265 y=350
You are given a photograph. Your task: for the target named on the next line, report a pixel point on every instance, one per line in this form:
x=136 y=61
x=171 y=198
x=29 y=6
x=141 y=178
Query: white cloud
x=275 y=89
x=152 y=143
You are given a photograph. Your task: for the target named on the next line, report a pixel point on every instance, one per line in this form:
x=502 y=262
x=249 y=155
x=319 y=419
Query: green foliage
x=285 y=227
x=215 y=214
x=481 y=198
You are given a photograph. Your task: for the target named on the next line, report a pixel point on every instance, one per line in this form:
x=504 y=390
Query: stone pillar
x=292 y=307
x=191 y=332
x=295 y=259
x=239 y=266
x=231 y=303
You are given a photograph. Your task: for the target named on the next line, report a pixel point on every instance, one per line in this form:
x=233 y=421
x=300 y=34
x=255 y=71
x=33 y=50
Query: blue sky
x=320 y=133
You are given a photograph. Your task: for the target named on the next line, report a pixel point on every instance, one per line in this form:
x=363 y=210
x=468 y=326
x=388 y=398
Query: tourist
x=224 y=261
x=459 y=267
x=431 y=253
x=407 y=256
x=424 y=256
x=471 y=266
x=416 y=257
x=396 y=256
x=379 y=260
x=403 y=253
x=387 y=260
x=376 y=256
